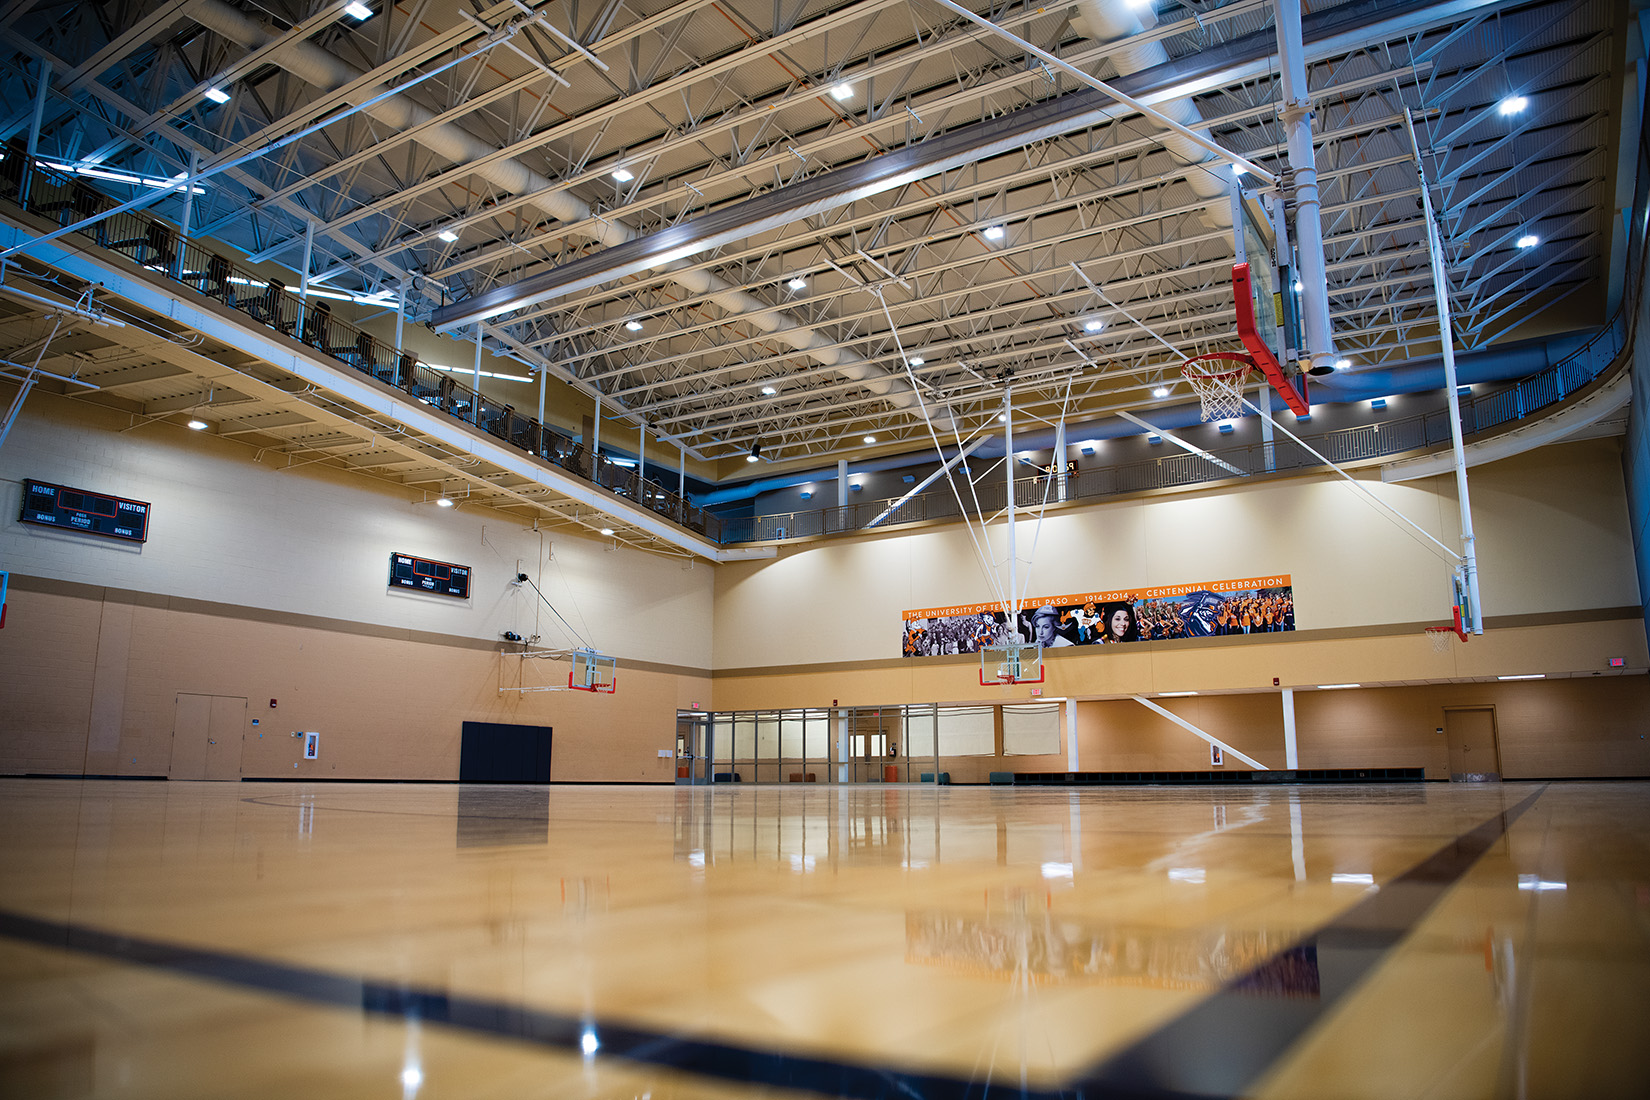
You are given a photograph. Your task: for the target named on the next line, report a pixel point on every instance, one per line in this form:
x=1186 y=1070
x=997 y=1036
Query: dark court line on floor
x=1216 y=1049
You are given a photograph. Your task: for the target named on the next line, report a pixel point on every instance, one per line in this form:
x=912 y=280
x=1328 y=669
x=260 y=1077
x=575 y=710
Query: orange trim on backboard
x=1244 y=296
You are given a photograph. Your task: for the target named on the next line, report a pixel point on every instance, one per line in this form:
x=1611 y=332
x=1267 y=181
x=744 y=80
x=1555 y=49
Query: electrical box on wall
x=312 y=746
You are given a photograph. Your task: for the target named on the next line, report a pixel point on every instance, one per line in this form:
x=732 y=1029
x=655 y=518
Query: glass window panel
x=918 y=736
x=790 y=735
x=744 y=738
x=818 y=734
x=724 y=747
x=767 y=737
x=967 y=731
x=1031 y=729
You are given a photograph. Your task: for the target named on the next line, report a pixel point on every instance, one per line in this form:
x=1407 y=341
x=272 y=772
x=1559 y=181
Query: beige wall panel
x=1371 y=728
x=1554 y=516
x=1118 y=735
x=1552 y=528
x=48 y=654
x=314 y=541
x=386 y=708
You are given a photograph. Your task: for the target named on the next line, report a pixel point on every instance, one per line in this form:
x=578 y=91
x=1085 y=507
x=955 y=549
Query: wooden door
x=1470 y=734
x=206 y=737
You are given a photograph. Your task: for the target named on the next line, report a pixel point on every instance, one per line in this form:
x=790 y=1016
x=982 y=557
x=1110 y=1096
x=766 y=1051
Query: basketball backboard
x=593 y=671
x=1011 y=663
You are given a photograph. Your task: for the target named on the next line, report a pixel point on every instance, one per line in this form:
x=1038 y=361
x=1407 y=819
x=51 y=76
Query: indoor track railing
x=156 y=245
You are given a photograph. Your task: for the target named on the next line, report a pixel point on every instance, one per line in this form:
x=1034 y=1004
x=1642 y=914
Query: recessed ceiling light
x=447 y=235
x=358 y=12
x=1343 y=364
x=768 y=391
x=1528 y=240
x=1525 y=676
x=607 y=530
x=870 y=439
x=1174 y=694
x=1093 y=326
x=798 y=283
x=198 y=425
x=1513 y=104
x=842 y=92
x=217 y=95
x=917 y=360
x=994 y=233
x=1336 y=687
x=445 y=503
x=633 y=326
x=622 y=175
x=1161 y=391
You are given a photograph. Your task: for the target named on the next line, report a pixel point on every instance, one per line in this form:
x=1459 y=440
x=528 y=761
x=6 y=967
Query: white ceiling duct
x=1110 y=21
x=314 y=65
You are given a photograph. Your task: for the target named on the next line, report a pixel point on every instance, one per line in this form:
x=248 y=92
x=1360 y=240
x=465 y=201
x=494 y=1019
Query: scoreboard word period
x=423 y=575
x=79 y=510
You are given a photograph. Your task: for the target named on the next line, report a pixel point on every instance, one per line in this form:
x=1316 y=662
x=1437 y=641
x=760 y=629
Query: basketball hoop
x=1221 y=392
x=1442 y=636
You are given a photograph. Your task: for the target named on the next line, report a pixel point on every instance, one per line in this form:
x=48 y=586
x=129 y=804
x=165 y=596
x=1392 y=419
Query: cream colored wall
x=1552 y=532
x=92 y=685
x=309 y=541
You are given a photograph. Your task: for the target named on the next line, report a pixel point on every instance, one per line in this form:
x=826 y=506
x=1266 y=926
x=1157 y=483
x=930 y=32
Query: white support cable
x=1188 y=727
x=1181 y=443
x=1360 y=486
x=980 y=553
x=1128 y=101
x=1048 y=484
x=1141 y=325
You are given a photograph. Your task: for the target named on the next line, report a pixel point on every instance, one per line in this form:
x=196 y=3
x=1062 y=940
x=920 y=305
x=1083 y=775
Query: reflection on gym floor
x=203 y=940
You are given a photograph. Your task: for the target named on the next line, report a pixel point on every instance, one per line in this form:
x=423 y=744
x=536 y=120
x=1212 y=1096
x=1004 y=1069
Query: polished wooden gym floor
x=186 y=940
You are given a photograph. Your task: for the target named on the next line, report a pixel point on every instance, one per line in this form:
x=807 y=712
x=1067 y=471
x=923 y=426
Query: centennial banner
x=1208 y=609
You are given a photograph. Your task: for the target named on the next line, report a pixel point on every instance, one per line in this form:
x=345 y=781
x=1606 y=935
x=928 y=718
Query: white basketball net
x=1221 y=393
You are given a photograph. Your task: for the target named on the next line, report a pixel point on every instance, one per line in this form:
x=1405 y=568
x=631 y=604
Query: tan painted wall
x=1552 y=531
x=387 y=707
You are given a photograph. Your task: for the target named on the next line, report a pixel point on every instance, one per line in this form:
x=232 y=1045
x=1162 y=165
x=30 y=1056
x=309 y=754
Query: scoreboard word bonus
x=79 y=510
x=423 y=575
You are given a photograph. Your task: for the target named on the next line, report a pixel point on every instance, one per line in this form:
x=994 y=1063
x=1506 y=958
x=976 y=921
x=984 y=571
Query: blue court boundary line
x=1215 y=1049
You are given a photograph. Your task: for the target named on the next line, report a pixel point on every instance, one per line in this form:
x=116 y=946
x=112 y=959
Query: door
x=1470 y=734
x=501 y=752
x=206 y=737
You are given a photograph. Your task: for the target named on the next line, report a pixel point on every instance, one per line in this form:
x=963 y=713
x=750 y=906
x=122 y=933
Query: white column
x=400 y=318
x=36 y=120
x=188 y=214
x=1297 y=119
x=1263 y=398
x=1446 y=333
x=842 y=483
x=309 y=250
x=1291 y=754
x=595 y=436
x=1071 y=736
x=1058 y=461
x=542 y=380
x=641 y=457
x=475 y=406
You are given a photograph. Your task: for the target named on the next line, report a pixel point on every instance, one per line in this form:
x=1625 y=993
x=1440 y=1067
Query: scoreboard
x=423 y=575
x=78 y=510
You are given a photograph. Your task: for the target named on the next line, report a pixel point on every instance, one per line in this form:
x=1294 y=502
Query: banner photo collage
x=1210 y=609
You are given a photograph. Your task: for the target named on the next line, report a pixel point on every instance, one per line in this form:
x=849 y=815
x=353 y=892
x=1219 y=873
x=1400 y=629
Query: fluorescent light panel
x=358 y=12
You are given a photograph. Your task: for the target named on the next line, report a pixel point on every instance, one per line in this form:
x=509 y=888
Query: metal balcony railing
x=157 y=246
